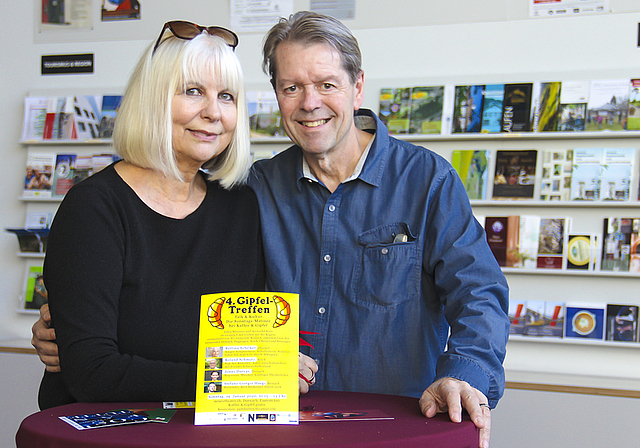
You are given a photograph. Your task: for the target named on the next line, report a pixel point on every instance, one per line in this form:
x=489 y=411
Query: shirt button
x=327 y=258
x=317 y=361
x=321 y=310
x=384 y=251
x=332 y=208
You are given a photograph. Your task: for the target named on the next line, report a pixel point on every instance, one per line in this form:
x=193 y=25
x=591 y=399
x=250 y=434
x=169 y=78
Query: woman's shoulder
x=103 y=183
x=239 y=196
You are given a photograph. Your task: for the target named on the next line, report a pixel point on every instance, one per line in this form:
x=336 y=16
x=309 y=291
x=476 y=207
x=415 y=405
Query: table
x=408 y=428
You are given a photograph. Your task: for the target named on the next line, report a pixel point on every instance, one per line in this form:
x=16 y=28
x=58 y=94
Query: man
x=378 y=238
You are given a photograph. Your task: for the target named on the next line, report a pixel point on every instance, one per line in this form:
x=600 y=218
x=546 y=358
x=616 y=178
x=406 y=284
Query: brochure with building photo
x=608 y=105
x=616 y=174
x=247 y=368
x=492 y=108
x=585 y=177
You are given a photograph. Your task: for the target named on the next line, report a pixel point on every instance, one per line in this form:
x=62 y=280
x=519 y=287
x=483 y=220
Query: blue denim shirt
x=384 y=309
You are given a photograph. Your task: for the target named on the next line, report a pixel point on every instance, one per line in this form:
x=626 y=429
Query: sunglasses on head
x=188 y=30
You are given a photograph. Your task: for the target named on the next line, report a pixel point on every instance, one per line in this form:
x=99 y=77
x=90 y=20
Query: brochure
x=118 y=417
x=248 y=359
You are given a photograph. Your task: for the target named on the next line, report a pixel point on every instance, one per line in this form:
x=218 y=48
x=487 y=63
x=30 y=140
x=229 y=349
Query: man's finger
x=485 y=432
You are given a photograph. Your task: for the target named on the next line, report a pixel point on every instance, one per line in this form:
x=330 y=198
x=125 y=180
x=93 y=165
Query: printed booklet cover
x=118 y=417
x=332 y=416
x=515 y=174
x=248 y=359
x=472 y=166
x=557 y=166
x=426 y=110
x=585 y=320
x=622 y=323
x=467 y=109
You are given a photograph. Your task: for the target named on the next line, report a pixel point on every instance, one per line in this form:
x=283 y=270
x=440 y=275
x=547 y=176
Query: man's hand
x=450 y=394
x=42 y=338
x=307 y=369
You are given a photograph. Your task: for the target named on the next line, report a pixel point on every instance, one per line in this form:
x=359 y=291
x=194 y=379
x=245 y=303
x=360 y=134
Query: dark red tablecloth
x=408 y=428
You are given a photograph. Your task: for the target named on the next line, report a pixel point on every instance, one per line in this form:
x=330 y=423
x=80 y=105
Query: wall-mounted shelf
x=519 y=136
x=30 y=254
x=54 y=142
x=572 y=273
x=573 y=341
x=556 y=204
x=39 y=199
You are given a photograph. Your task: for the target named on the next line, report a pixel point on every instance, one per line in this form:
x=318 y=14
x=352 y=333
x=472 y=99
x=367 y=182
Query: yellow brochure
x=248 y=359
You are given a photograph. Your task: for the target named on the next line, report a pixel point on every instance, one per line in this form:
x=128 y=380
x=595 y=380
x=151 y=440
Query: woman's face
x=204 y=120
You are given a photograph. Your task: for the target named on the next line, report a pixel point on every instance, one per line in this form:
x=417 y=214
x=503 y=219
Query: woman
x=133 y=247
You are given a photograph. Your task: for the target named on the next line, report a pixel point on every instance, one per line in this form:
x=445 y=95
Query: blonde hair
x=143 y=128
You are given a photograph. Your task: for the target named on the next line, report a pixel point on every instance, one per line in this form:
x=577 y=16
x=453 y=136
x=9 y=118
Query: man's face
x=316 y=97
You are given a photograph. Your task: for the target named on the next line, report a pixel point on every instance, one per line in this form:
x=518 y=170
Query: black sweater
x=124 y=285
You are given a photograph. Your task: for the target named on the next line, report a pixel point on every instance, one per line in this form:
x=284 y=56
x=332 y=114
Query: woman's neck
x=167 y=196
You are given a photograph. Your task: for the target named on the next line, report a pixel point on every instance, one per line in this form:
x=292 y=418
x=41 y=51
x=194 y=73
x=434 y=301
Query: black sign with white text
x=61 y=64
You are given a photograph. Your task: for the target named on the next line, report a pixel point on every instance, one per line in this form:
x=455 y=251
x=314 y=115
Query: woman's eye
x=193 y=91
x=226 y=96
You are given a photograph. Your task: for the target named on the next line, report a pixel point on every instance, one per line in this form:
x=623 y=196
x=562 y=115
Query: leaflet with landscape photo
x=248 y=359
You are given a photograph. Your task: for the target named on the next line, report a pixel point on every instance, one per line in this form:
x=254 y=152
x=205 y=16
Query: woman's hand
x=307 y=369
x=43 y=340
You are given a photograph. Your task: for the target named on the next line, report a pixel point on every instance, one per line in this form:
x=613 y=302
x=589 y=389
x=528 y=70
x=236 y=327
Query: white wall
x=404 y=43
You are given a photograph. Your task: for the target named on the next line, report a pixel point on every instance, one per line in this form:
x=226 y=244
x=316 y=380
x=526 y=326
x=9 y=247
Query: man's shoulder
x=407 y=152
x=284 y=164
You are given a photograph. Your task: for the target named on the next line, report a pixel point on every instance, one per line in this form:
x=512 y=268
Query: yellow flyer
x=248 y=359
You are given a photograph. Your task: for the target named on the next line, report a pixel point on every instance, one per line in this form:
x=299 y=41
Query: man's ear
x=359 y=91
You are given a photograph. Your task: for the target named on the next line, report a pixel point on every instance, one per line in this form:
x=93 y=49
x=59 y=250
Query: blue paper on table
x=104 y=419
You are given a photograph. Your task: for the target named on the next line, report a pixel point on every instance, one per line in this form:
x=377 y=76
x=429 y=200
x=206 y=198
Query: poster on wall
x=560 y=8
x=120 y=10
x=57 y=14
x=258 y=15
x=340 y=9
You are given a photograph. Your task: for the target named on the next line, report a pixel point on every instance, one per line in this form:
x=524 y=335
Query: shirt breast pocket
x=389 y=272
